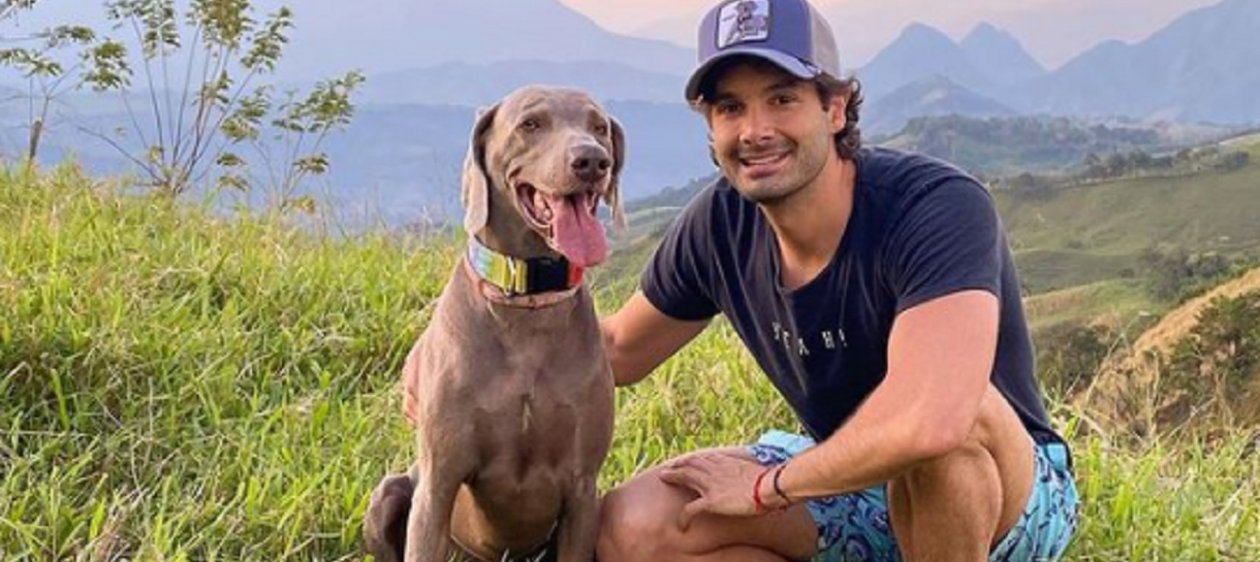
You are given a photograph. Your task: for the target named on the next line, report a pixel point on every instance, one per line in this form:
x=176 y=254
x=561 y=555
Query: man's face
x=771 y=134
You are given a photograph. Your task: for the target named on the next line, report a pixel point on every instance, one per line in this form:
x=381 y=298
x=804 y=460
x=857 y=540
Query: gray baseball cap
x=788 y=33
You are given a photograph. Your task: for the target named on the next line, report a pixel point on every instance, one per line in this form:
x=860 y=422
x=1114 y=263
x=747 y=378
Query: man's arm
x=940 y=356
x=639 y=337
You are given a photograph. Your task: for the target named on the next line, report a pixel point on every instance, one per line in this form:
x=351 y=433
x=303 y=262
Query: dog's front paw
x=385 y=523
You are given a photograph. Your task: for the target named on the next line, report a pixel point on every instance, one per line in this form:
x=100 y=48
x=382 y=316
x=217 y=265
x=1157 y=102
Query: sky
x=1052 y=31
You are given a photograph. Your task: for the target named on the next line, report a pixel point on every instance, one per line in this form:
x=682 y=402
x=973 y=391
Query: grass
x=176 y=385
x=1102 y=228
x=1114 y=303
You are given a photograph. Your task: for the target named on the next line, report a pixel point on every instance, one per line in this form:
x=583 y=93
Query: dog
x=508 y=388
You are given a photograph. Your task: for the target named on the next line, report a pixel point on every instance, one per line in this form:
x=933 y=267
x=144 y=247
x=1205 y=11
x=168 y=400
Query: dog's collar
x=518 y=276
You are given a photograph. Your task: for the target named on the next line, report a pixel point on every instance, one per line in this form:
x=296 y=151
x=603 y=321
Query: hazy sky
x=1052 y=31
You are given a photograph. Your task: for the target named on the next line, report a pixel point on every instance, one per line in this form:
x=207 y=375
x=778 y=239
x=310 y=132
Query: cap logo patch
x=742 y=21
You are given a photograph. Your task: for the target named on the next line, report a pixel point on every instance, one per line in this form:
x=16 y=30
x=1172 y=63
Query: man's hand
x=723 y=481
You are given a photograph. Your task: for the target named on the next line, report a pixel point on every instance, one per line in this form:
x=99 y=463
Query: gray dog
x=509 y=388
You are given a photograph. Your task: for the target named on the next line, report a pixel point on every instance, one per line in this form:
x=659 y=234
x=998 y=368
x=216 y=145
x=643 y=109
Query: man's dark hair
x=848 y=140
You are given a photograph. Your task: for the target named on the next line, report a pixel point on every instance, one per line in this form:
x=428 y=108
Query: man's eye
x=783 y=99
x=727 y=108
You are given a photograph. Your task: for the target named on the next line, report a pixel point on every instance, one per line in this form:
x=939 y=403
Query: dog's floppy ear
x=476 y=190
x=614 y=185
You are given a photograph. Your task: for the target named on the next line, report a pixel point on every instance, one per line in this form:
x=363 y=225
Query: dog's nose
x=590 y=163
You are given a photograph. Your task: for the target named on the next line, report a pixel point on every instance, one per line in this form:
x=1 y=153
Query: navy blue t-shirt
x=919 y=229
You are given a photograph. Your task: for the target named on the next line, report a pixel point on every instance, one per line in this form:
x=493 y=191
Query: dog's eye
x=530 y=125
x=601 y=129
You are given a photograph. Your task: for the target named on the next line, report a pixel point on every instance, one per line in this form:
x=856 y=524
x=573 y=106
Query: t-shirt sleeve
x=948 y=240
x=677 y=280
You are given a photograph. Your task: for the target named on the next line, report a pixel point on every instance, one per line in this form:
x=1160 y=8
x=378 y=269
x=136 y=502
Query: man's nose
x=757 y=126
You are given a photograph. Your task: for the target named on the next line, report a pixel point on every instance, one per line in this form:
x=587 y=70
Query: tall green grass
x=176 y=385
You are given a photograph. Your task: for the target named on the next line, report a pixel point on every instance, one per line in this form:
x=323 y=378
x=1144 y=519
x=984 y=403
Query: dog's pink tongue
x=577 y=233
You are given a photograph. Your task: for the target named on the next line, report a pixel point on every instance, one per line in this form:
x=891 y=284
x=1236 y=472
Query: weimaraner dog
x=508 y=388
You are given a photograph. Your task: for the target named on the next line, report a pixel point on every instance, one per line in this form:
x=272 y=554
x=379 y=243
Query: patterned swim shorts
x=855 y=527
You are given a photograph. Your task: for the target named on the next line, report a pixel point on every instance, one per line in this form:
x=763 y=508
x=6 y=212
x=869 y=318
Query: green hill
x=1209 y=210
x=180 y=385
x=1072 y=236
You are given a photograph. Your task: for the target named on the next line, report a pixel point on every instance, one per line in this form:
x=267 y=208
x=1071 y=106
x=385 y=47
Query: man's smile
x=765 y=164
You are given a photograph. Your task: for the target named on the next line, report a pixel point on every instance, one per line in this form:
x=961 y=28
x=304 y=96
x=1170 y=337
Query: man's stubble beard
x=801 y=173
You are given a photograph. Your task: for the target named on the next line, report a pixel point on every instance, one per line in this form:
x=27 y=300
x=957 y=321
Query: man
x=876 y=290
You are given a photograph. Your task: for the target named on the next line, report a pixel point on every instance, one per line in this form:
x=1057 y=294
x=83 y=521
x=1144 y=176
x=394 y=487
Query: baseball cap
x=788 y=33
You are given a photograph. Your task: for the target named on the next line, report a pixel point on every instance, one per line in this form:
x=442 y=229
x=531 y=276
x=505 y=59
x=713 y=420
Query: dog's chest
x=530 y=416
x=528 y=448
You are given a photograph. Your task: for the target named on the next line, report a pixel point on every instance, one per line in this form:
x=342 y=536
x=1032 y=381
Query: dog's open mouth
x=567 y=222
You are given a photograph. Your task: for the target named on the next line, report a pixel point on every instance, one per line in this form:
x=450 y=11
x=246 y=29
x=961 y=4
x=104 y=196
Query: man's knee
x=997 y=455
x=982 y=485
x=635 y=521
x=970 y=467
x=639 y=521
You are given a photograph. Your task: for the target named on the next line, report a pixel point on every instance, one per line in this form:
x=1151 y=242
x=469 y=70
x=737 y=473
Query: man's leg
x=958 y=506
x=639 y=521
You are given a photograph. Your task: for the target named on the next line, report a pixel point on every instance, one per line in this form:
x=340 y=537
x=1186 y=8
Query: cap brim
x=787 y=62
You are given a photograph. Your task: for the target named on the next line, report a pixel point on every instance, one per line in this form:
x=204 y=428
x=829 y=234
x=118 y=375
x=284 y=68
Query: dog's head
x=539 y=163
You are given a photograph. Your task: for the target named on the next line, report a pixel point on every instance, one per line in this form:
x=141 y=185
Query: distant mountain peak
x=919 y=52
x=1000 y=55
x=985 y=31
x=935 y=94
x=919 y=32
x=1200 y=67
x=986 y=27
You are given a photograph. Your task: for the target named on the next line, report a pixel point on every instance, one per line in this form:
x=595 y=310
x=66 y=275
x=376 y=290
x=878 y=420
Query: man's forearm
x=940 y=356
x=888 y=435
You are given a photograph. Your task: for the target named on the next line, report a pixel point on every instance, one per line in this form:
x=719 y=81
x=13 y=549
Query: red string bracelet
x=759 y=506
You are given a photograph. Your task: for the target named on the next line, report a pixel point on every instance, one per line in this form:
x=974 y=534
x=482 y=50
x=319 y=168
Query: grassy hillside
x=1077 y=235
x=1000 y=145
x=180 y=386
x=1210 y=210
x=1159 y=380
x=1107 y=302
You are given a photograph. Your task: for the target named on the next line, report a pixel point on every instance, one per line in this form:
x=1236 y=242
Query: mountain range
x=393 y=35
x=467 y=84
x=1198 y=68
x=1201 y=67
x=430 y=64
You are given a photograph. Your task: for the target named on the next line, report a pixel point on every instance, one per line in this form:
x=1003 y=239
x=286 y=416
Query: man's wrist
x=776 y=481
x=758 y=497
x=768 y=493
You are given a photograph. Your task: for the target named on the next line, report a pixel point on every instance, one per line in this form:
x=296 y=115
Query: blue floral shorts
x=855 y=527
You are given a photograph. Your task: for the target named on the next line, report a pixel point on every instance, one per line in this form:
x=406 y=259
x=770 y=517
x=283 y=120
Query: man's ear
x=836 y=108
x=476 y=188
x=614 y=184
